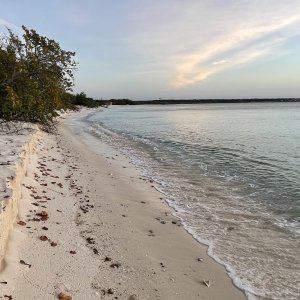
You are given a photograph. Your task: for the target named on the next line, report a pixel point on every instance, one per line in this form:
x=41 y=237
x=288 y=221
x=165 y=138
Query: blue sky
x=142 y=49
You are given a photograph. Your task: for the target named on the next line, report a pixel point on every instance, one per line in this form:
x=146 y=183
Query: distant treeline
x=192 y=101
x=82 y=100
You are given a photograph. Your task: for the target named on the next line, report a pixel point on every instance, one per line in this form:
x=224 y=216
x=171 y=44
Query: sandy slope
x=126 y=243
x=15 y=151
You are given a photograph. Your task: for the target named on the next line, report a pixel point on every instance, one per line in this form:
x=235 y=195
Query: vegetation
x=199 y=101
x=82 y=99
x=36 y=76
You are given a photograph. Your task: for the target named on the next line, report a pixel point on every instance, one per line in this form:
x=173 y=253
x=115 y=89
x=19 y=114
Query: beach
x=90 y=226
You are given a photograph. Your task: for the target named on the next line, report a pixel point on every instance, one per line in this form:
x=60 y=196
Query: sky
x=179 y=49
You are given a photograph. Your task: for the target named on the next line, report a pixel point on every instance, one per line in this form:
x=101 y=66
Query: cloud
x=195 y=40
x=224 y=61
x=238 y=47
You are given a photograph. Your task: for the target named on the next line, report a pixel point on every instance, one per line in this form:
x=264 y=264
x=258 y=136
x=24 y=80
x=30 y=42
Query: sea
x=232 y=174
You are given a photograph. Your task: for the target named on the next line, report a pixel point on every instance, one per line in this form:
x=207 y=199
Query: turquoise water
x=232 y=172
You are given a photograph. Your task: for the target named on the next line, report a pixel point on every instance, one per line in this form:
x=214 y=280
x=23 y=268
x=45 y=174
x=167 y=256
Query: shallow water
x=232 y=173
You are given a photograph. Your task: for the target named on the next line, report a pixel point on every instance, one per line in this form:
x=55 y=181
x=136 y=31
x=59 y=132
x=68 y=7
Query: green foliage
x=122 y=102
x=82 y=99
x=35 y=74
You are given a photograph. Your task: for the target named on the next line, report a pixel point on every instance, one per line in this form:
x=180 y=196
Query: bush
x=35 y=75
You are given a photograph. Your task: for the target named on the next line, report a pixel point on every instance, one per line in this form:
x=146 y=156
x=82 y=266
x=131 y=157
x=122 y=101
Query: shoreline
x=131 y=244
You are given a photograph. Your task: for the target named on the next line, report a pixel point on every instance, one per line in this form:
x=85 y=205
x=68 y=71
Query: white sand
x=15 y=150
x=127 y=243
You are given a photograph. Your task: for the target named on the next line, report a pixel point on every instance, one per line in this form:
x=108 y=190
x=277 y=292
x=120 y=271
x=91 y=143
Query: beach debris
x=109 y=292
x=53 y=244
x=115 y=265
x=45 y=228
x=22 y=223
x=43 y=215
x=3 y=282
x=43 y=238
x=63 y=296
x=151 y=233
x=143 y=202
x=199 y=259
x=107 y=258
x=206 y=282
x=22 y=262
x=83 y=209
x=160 y=220
x=95 y=251
x=9 y=297
x=133 y=297
x=90 y=240
x=73 y=252
x=35 y=220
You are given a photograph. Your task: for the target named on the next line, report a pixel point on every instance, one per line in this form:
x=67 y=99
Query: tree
x=35 y=74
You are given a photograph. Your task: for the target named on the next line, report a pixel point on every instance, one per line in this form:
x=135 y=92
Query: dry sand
x=96 y=229
x=15 y=151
